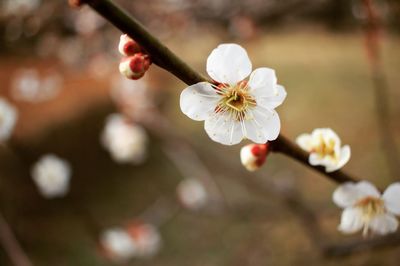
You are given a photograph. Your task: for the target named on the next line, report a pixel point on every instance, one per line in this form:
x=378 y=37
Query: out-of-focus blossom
x=8 y=118
x=18 y=7
x=118 y=244
x=235 y=109
x=133 y=96
x=28 y=86
x=146 y=238
x=127 y=46
x=253 y=156
x=51 y=175
x=191 y=193
x=366 y=209
x=325 y=149
x=126 y=142
x=86 y=21
x=70 y=51
x=135 y=66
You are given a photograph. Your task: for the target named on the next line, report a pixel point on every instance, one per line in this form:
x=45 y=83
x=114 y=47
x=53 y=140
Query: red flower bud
x=253 y=156
x=127 y=46
x=135 y=66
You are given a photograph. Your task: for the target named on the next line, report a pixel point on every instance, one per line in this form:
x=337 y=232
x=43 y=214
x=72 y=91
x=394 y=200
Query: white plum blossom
x=191 y=193
x=366 y=209
x=234 y=108
x=30 y=87
x=126 y=142
x=325 y=149
x=52 y=176
x=118 y=244
x=147 y=239
x=8 y=118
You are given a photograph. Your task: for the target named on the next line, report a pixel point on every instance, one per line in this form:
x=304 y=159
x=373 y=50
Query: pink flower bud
x=253 y=156
x=127 y=46
x=135 y=66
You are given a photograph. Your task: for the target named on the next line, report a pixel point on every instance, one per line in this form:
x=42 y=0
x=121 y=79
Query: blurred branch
x=381 y=89
x=355 y=246
x=11 y=245
x=164 y=58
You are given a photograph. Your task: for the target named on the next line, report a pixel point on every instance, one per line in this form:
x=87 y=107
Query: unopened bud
x=127 y=46
x=253 y=156
x=134 y=67
x=76 y=3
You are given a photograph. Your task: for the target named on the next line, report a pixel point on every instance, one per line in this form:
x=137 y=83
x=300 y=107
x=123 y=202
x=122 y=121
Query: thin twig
x=381 y=88
x=11 y=245
x=356 y=246
x=164 y=58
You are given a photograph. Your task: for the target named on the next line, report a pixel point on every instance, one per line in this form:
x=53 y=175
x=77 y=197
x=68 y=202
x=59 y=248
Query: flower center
x=325 y=148
x=370 y=207
x=236 y=99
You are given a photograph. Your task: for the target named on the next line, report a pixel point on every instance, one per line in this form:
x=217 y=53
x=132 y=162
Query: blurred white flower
x=191 y=193
x=8 y=118
x=86 y=21
x=52 y=176
x=253 y=156
x=28 y=86
x=147 y=239
x=365 y=208
x=118 y=244
x=133 y=96
x=325 y=149
x=235 y=108
x=127 y=142
x=18 y=7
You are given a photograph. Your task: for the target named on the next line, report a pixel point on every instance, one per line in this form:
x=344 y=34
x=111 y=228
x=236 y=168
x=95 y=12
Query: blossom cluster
x=136 y=61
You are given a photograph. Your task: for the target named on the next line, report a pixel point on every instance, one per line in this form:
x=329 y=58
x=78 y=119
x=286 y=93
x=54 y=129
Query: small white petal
x=391 y=196
x=254 y=132
x=315 y=159
x=273 y=101
x=304 y=141
x=384 y=224
x=268 y=123
x=351 y=221
x=262 y=82
x=228 y=63
x=349 y=193
x=199 y=101
x=223 y=129
x=344 y=158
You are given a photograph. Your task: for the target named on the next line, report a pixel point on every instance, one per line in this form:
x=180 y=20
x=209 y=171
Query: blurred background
x=59 y=68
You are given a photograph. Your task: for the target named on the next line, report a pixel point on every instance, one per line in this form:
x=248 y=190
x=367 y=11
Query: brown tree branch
x=11 y=245
x=166 y=59
x=356 y=246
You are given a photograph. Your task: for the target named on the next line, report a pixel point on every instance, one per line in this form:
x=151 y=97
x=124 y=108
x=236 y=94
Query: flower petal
x=223 y=129
x=304 y=141
x=384 y=224
x=344 y=158
x=349 y=193
x=391 y=196
x=228 y=63
x=199 y=101
x=267 y=122
x=273 y=101
x=262 y=82
x=351 y=221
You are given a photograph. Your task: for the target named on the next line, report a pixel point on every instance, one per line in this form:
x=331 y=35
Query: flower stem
x=164 y=58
